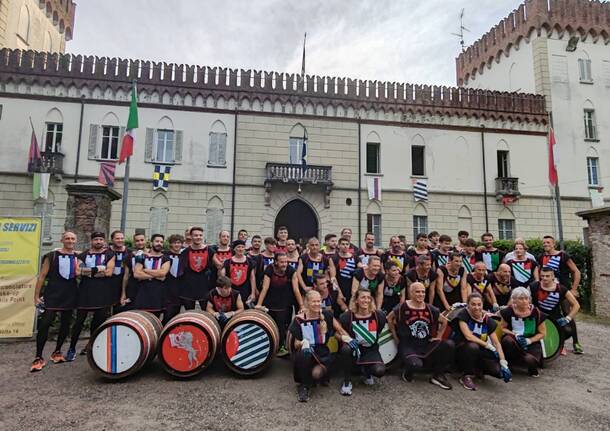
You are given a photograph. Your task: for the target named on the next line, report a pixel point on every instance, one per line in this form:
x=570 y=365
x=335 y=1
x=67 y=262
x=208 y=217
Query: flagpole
x=557 y=197
x=125 y=196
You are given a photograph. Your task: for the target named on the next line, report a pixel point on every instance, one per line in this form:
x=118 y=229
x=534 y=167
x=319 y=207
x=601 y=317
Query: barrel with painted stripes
x=188 y=343
x=124 y=343
x=250 y=341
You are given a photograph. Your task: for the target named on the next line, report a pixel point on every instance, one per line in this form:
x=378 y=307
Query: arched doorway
x=299 y=218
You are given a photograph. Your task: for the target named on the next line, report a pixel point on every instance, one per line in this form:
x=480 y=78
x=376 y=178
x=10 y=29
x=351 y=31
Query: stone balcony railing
x=297 y=174
x=507 y=187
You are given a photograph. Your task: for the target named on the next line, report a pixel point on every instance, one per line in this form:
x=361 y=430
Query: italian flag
x=132 y=125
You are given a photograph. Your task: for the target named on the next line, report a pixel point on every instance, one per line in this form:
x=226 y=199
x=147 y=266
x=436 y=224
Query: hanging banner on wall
x=19 y=260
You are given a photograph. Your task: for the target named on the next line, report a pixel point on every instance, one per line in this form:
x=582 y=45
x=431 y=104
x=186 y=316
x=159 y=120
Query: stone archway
x=300 y=219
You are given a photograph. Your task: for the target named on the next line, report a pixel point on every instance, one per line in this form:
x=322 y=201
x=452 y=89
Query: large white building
x=558 y=49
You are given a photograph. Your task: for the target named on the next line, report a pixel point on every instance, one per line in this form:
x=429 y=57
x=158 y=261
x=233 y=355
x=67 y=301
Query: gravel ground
x=572 y=393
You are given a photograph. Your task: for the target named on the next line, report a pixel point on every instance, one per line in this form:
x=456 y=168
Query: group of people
x=442 y=302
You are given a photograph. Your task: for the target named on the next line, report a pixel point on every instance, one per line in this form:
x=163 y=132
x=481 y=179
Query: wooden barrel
x=250 y=341
x=188 y=343
x=124 y=343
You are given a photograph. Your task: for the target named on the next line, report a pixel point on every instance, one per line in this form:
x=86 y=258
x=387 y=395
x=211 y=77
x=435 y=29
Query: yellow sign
x=17 y=309
x=19 y=255
x=19 y=247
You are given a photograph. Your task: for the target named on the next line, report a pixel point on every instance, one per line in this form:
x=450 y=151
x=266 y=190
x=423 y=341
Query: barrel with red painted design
x=188 y=343
x=124 y=343
x=249 y=342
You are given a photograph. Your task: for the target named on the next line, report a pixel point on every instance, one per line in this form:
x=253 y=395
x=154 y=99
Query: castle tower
x=38 y=25
x=557 y=48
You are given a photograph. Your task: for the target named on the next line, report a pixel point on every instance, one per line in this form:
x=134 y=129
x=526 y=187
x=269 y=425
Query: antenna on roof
x=462 y=29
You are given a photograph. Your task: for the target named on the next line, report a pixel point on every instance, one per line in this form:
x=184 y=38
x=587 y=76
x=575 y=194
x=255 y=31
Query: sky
x=399 y=40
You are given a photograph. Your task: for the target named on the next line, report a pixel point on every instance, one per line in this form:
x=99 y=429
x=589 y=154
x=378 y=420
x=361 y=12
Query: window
x=213 y=224
x=218 y=149
x=590 y=129
x=23 y=29
x=373 y=224
x=110 y=143
x=503 y=167
x=584 y=70
x=372 y=158
x=420 y=225
x=506 y=228
x=52 y=143
x=164 y=146
x=296 y=150
x=417 y=160
x=593 y=171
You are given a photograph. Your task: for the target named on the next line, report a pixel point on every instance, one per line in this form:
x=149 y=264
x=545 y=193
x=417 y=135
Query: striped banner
x=420 y=190
x=106 y=175
x=248 y=346
x=374 y=186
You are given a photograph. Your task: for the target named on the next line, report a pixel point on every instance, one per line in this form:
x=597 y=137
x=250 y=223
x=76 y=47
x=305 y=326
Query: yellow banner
x=19 y=255
x=19 y=247
x=17 y=311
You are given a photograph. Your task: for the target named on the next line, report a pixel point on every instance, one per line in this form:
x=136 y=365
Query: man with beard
x=478 y=282
x=345 y=265
x=451 y=287
x=198 y=266
x=281 y=237
x=292 y=253
x=59 y=271
x=420 y=249
x=312 y=263
x=500 y=282
x=130 y=284
x=173 y=278
x=330 y=245
x=440 y=255
x=151 y=269
x=279 y=290
x=121 y=254
x=95 y=293
x=424 y=274
x=491 y=256
x=255 y=247
x=240 y=270
x=368 y=250
x=396 y=254
x=264 y=259
x=462 y=237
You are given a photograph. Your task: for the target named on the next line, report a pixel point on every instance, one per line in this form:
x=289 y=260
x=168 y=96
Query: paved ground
x=573 y=393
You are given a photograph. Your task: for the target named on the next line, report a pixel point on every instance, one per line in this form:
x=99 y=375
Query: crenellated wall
x=334 y=94
x=583 y=18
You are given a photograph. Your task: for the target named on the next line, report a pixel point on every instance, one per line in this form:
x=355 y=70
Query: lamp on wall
x=571 y=47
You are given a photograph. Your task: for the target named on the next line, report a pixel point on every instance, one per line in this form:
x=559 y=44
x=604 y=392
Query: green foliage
x=579 y=253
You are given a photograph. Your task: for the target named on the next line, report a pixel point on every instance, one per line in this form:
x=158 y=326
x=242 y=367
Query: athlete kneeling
x=364 y=324
x=415 y=327
x=478 y=350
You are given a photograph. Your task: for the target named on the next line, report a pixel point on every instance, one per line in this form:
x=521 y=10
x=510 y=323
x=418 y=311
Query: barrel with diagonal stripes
x=249 y=341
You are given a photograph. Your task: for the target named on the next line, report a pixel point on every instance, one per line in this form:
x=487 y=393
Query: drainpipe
x=484 y=178
x=359 y=184
x=80 y=138
x=233 y=187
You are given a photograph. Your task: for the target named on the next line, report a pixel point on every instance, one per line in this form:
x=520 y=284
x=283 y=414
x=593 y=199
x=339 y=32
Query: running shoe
x=70 y=355
x=303 y=394
x=407 y=376
x=441 y=381
x=57 y=357
x=346 y=389
x=534 y=372
x=578 y=349
x=282 y=352
x=37 y=365
x=369 y=381
x=564 y=351
x=467 y=382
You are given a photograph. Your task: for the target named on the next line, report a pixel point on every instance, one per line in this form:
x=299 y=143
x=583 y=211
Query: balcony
x=295 y=174
x=507 y=187
x=51 y=162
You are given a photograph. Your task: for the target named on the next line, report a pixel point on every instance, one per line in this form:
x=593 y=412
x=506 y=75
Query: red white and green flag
x=132 y=125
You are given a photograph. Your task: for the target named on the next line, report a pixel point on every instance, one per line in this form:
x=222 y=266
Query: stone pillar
x=88 y=209
x=599 y=241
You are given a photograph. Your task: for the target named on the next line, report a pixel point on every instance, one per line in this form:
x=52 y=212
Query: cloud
x=405 y=41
